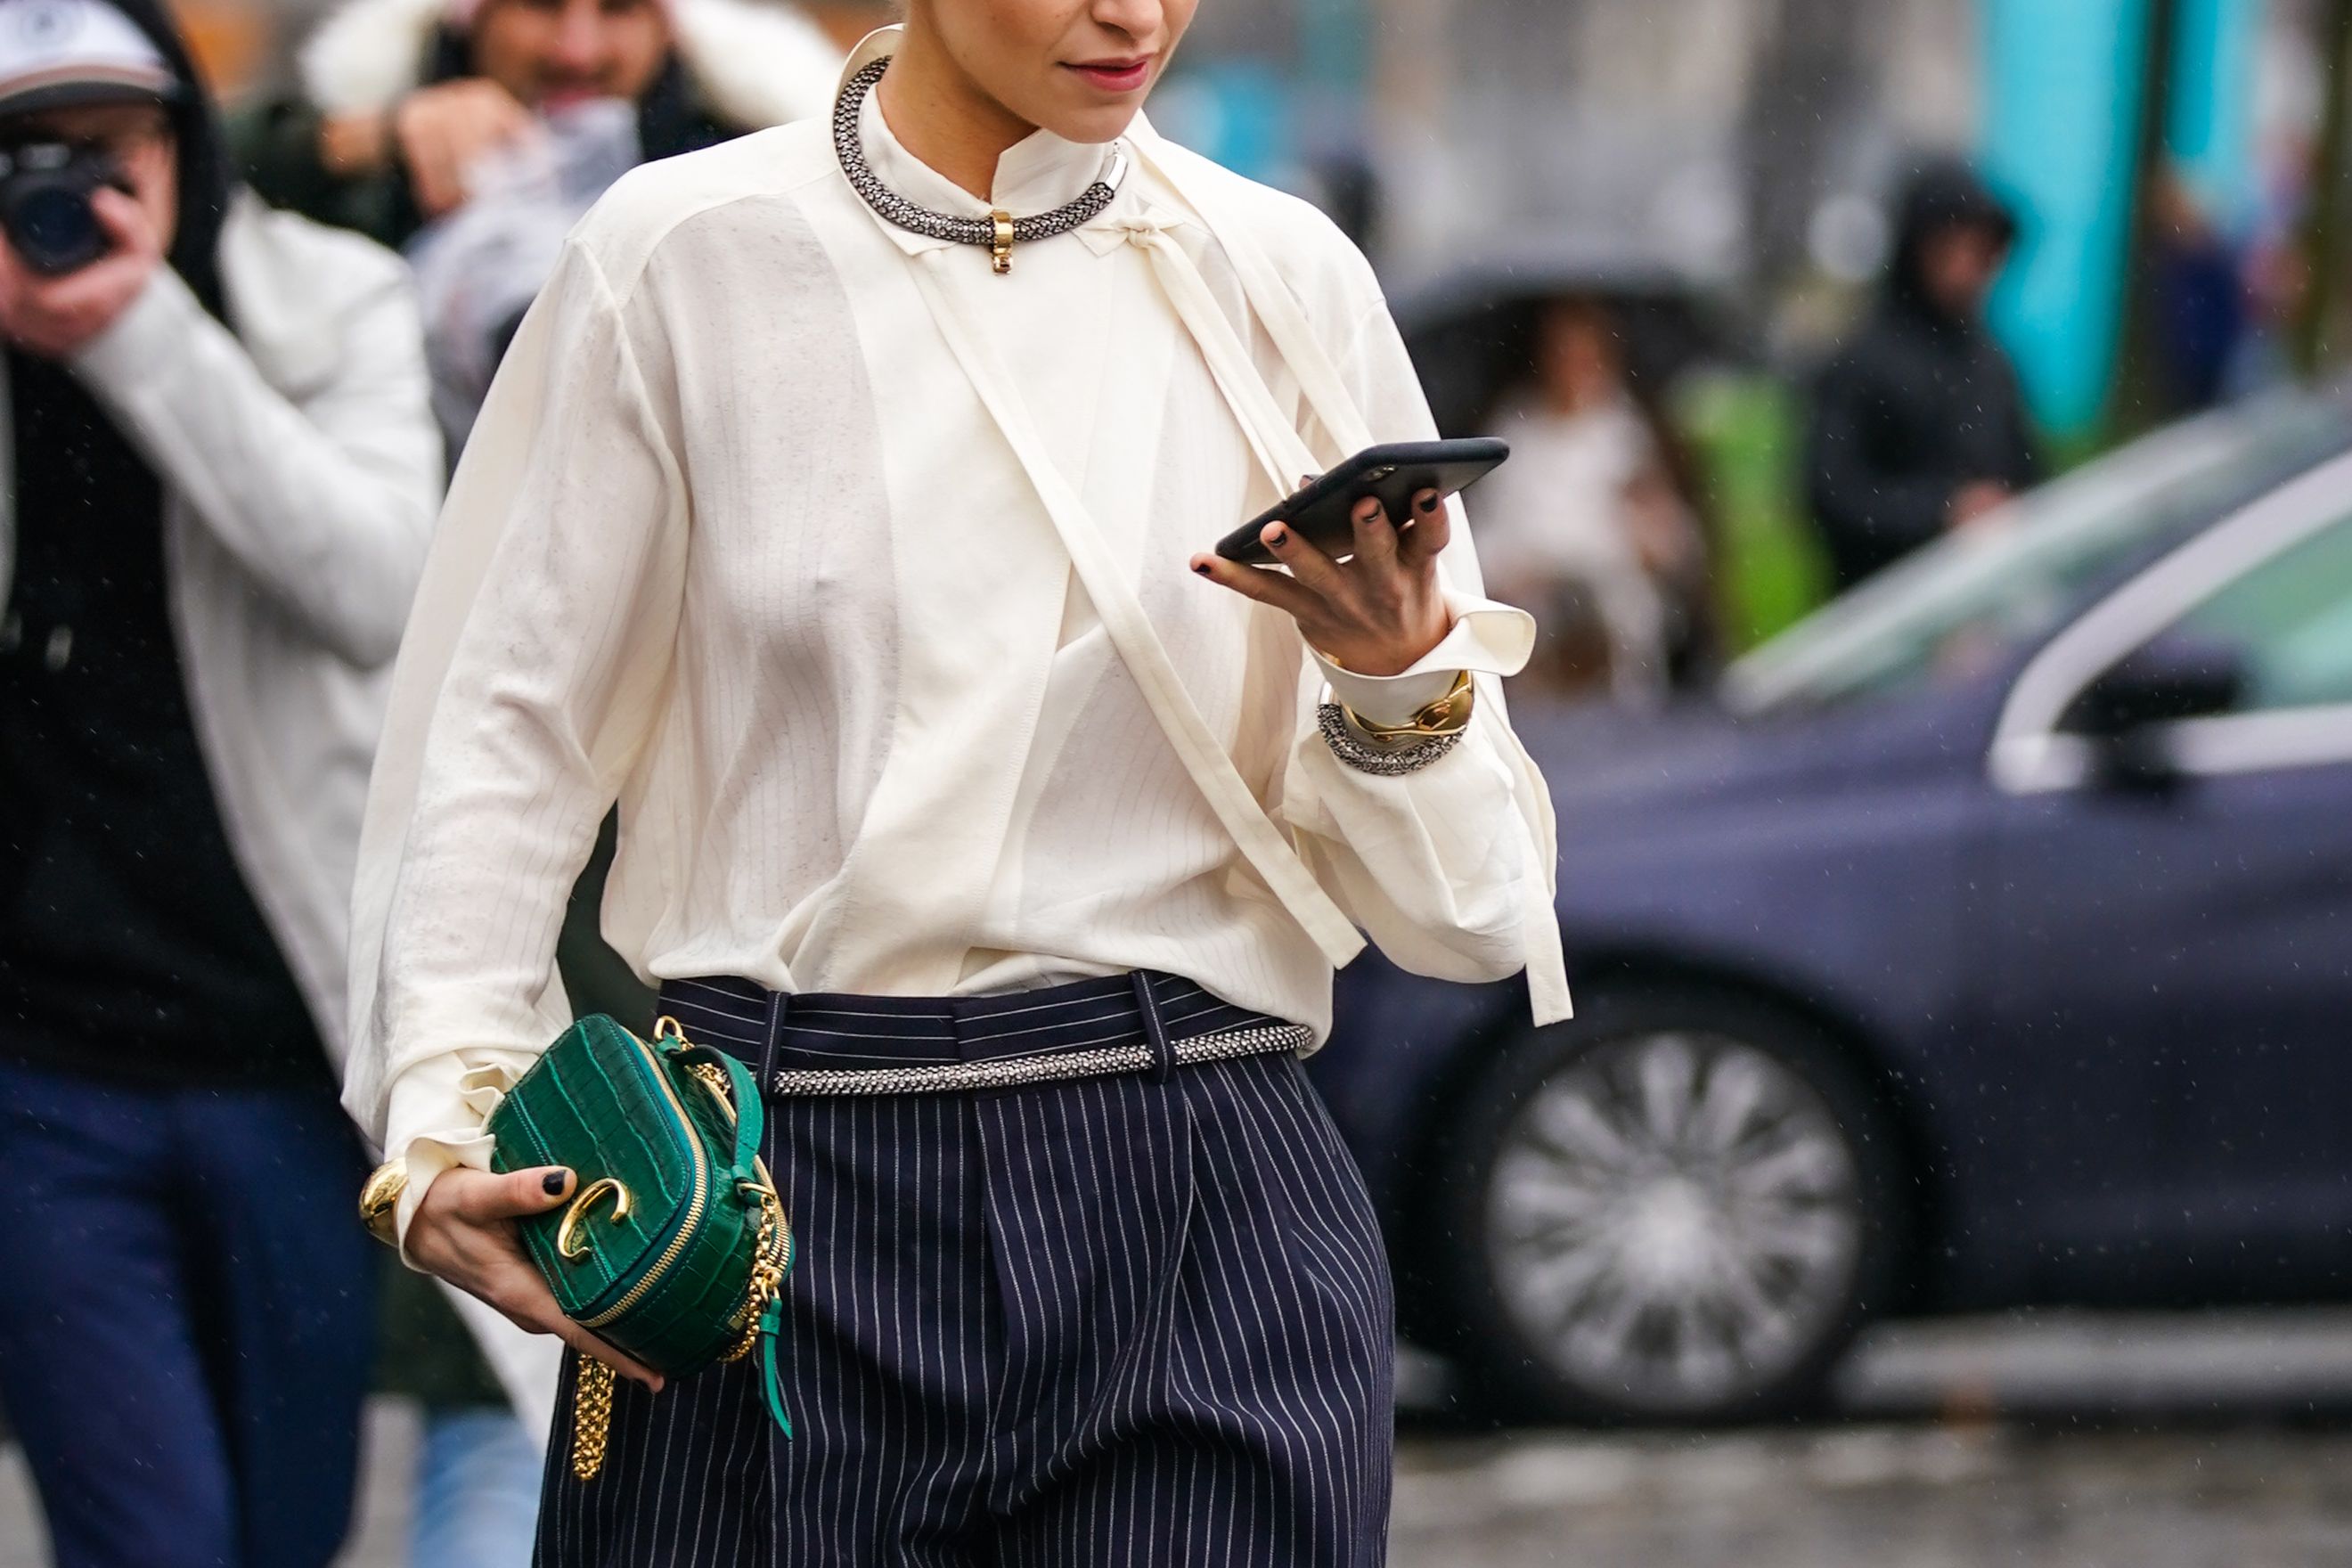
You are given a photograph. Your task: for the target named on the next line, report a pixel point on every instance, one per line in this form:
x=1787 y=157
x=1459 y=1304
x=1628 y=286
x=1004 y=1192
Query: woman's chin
x=1093 y=122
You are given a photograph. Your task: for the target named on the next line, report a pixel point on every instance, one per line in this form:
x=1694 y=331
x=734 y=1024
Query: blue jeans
x=476 y=1504
x=186 y=1315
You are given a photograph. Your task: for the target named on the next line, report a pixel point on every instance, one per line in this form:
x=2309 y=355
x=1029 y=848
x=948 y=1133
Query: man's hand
x=1974 y=499
x=54 y=317
x=464 y=1232
x=1373 y=614
x=441 y=132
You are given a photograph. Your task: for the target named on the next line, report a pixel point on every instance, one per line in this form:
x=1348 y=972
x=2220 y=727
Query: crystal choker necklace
x=999 y=230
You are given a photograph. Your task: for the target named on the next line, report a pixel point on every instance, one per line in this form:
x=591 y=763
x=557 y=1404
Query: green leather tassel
x=770 y=1322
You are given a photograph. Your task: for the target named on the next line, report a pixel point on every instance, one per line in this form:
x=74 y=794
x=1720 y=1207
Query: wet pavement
x=1882 y=1496
x=2045 y=1440
x=2051 y=1441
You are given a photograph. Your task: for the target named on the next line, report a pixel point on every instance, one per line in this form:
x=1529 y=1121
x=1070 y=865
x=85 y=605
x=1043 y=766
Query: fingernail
x=1429 y=503
x=553 y=1181
x=1202 y=568
x=1281 y=537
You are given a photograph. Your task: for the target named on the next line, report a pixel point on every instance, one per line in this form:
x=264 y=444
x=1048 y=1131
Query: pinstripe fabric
x=1118 y=1320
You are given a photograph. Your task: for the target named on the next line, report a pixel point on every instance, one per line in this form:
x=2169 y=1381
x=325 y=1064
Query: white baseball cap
x=55 y=53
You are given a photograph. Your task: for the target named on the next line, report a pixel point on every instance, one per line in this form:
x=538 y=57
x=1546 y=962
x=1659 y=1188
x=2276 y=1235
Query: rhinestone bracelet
x=1362 y=756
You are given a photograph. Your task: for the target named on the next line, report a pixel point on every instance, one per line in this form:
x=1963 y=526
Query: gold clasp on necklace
x=1001 y=247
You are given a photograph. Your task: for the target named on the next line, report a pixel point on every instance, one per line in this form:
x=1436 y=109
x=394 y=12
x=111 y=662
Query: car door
x=2189 y=935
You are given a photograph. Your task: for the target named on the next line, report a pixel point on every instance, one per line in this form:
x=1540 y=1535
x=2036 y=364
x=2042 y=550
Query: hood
x=1938 y=194
x=754 y=63
x=203 y=165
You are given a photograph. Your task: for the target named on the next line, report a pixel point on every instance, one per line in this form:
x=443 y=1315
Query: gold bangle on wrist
x=1447 y=715
x=380 y=1200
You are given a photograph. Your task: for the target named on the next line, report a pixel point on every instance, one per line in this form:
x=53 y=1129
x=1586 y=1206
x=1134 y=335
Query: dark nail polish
x=1281 y=537
x=553 y=1181
x=1429 y=503
x=1202 y=569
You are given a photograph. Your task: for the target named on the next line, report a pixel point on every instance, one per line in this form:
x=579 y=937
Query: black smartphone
x=1395 y=471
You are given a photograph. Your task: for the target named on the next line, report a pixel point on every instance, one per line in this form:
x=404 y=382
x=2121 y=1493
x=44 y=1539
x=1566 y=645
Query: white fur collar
x=756 y=62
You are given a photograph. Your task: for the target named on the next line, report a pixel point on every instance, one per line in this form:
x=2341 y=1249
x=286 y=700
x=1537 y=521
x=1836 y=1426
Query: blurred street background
x=1720 y=174
x=2070 y=1442
x=1935 y=481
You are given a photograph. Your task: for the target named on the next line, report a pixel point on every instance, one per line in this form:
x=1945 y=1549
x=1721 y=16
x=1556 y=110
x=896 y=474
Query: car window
x=1967 y=602
x=2290 y=619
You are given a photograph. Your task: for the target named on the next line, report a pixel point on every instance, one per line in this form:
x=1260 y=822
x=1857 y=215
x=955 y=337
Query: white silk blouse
x=766 y=533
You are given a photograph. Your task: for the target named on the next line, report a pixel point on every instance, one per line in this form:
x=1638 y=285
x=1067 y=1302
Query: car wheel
x=1672 y=1210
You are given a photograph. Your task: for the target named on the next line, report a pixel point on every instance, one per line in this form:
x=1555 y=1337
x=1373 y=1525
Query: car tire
x=1678 y=1208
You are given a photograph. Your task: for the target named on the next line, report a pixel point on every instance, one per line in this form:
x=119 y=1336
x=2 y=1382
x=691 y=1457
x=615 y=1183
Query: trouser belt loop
x=1155 y=1028
x=779 y=1004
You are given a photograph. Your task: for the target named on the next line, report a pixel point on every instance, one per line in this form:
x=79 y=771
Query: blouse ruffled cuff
x=438 y=1121
x=1487 y=637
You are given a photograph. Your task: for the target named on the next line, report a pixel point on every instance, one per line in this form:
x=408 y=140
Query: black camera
x=45 y=190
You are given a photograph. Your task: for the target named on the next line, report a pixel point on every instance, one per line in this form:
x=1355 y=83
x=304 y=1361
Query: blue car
x=1989 y=943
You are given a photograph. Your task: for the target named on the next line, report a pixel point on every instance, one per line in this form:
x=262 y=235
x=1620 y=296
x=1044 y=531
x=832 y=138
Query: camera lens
x=55 y=230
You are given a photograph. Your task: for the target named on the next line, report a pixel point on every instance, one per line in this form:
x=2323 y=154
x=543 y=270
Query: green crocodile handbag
x=675 y=1247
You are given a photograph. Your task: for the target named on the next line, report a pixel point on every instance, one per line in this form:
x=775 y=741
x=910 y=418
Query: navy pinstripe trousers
x=1142 y=1318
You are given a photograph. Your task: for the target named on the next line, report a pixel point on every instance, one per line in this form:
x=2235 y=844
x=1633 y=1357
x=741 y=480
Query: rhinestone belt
x=1010 y=1072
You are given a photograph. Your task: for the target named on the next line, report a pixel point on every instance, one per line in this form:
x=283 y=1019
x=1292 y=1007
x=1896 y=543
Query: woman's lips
x=1116 y=76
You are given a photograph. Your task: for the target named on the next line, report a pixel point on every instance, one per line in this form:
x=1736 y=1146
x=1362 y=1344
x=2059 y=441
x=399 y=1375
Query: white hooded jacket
x=301 y=472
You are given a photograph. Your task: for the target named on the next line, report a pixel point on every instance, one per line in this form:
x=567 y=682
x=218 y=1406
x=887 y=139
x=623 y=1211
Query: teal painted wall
x=2060 y=98
x=2211 y=131
x=2061 y=101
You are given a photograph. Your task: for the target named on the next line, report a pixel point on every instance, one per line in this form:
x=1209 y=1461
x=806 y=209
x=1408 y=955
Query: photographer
x=222 y=477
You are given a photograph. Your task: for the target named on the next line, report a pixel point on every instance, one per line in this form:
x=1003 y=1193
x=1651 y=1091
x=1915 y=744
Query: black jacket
x=1918 y=403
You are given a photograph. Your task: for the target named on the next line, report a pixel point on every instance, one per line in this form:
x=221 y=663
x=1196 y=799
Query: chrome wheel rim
x=1673 y=1221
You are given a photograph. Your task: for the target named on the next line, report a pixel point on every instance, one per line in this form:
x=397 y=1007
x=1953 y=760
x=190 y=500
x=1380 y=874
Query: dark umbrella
x=1472 y=331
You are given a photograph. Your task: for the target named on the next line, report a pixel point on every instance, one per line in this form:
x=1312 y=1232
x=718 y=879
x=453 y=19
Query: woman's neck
x=941 y=116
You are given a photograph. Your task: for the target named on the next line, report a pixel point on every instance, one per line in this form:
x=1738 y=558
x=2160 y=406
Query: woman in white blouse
x=842 y=510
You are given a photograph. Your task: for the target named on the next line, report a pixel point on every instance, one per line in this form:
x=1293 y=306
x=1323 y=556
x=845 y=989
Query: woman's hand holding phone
x=1374 y=613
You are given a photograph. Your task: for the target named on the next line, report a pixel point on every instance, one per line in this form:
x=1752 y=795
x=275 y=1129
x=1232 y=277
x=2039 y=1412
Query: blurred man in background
x=1918 y=423
x=222 y=477
x=2196 y=299
x=402 y=100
